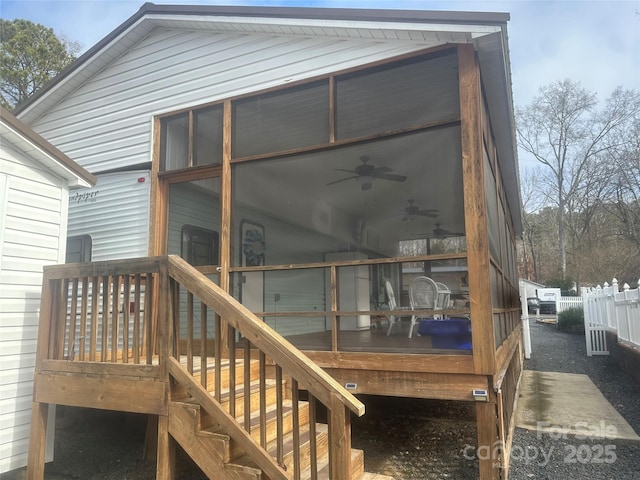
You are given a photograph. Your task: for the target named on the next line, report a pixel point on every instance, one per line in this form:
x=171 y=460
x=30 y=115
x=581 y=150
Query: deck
x=125 y=336
x=139 y=335
x=374 y=340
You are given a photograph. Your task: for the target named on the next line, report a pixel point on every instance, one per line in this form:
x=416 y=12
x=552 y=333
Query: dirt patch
x=407 y=439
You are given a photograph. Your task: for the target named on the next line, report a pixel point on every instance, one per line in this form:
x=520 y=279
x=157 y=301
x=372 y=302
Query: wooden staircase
x=156 y=336
x=219 y=457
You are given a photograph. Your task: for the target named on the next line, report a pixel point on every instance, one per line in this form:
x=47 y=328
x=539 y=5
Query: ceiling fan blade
x=379 y=170
x=428 y=213
x=388 y=176
x=345 y=170
x=446 y=233
x=342 y=180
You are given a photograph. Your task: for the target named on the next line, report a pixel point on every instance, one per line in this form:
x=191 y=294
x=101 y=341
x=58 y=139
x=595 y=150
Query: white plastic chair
x=423 y=295
x=444 y=296
x=391 y=300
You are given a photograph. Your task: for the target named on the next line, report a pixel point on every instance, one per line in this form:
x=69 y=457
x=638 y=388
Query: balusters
x=115 y=317
x=176 y=322
x=313 y=437
x=279 y=417
x=189 y=332
x=126 y=309
x=232 y=370
x=296 y=428
x=93 y=339
x=247 y=383
x=263 y=399
x=136 y=319
x=203 y=345
x=73 y=313
x=218 y=356
x=58 y=349
x=149 y=294
x=83 y=319
x=105 y=316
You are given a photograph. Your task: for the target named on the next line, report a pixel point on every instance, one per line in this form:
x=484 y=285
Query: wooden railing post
x=164 y=314
x=39 y=411
x=339 y=439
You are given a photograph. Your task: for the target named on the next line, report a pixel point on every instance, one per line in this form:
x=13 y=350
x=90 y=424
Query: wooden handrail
x=310 y=376
x=111 y=267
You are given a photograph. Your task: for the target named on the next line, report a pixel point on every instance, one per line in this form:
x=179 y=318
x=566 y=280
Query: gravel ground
x=407 y=439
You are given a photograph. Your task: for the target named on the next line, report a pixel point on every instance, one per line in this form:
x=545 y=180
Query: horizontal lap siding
x=33 y=211
x=172 y=69
x=115 y=213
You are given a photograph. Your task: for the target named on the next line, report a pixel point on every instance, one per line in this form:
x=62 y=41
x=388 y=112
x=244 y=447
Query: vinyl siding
x=172 y=69
x=32 y=225
x=115 y=213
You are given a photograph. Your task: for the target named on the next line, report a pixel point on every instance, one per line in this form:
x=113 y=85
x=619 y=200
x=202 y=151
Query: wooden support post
x=339 y=439
x=489 y=445
x=225 y=214
x=166 y=459
x=475 y=208
x=37 y=441
x=151 y=438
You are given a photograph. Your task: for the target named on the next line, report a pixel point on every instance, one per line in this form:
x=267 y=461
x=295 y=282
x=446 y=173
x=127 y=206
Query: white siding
x=115 y=213
x=33 y=206
x=172 y=69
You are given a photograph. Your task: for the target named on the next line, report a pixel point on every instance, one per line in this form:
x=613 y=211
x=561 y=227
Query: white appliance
x=353 y=291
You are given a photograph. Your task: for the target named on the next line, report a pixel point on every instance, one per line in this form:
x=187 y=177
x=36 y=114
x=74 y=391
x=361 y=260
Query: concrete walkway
x=569 y=404
x=588 y=409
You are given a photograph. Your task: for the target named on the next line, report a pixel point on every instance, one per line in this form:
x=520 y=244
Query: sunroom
x=340 y=191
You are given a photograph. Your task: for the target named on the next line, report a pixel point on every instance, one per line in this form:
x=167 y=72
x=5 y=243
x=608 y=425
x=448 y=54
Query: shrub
x=571 y=320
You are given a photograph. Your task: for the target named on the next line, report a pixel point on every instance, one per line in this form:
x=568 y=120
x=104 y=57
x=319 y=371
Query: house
x=35 y=180
x=305 y=166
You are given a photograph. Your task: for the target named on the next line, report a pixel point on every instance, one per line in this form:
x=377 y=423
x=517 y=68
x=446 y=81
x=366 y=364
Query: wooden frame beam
x=476 y=212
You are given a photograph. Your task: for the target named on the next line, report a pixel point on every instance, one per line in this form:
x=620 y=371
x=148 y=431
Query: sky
x=596 y=43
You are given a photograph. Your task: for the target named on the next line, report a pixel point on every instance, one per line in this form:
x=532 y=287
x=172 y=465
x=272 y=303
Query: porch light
x=480 y=395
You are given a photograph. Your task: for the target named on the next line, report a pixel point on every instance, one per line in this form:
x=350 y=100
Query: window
x=397 y=96
x=78 y=249
x=199 y=246
x=191 y=139
x=283 y=120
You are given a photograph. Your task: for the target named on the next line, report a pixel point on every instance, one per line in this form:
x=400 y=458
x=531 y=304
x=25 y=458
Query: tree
x=624 y=194
x=533 y=200
x=564 y=130
x=30 y=55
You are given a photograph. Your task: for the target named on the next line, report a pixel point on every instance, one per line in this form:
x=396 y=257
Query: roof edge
x=349 y=14
x=27 y=132
x=362 y=14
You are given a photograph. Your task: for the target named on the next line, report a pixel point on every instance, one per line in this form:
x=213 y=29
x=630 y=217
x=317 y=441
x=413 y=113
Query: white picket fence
x=607 y=308
x=565 y=303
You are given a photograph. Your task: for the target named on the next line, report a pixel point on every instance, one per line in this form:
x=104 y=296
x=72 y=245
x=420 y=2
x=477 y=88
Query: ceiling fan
x=441 y=233
x=411 y=211
x=365 y=174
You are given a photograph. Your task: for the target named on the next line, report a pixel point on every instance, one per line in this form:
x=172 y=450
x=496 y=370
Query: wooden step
x=357 y=467
x=213 y=450
x=254 y=372
x=210 y=451
x=181 y=394
x=271 y=423
x=202 y=423
x=322 y=447
x=374 y=476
